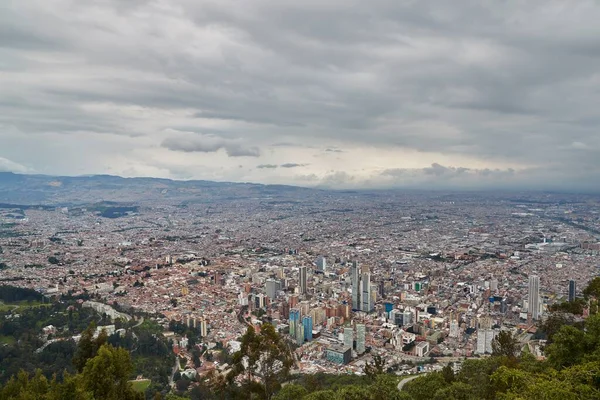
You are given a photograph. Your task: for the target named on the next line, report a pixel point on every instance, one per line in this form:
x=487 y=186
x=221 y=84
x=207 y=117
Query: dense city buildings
x=405 y=274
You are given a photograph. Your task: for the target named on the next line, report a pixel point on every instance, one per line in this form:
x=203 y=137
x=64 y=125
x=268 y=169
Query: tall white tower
x=533 y=299
x=355 y=277
x=367 y=304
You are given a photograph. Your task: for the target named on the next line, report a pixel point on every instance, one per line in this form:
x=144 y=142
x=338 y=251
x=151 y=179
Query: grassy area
x=18 y=306
x=7 y=339
x=141 y=385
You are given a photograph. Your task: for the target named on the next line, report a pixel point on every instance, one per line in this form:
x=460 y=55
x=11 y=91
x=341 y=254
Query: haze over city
x=337 y=94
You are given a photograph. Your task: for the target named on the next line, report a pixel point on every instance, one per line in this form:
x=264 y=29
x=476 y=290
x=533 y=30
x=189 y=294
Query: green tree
x=291 y=392
x=456 y=391
x=593 y=288
x=88 y=346
x=106 y=375
x=448 y=373
x=353 y=392
x=321 y=395
x=505 y=345
x=374 y=368
x=567 y=349
x=385 y=387
x=264 y=361
x=425 y=386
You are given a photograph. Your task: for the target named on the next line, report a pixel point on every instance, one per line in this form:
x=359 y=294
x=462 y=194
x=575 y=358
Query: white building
x=422 y=349
x=533 y=299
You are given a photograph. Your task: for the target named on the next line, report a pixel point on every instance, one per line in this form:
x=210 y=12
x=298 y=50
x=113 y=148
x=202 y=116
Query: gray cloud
x=292 y=165
x=208 y=144
x=504 y=83
x=267 y=166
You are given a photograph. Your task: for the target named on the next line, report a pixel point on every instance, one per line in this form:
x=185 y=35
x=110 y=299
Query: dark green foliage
x=593 y=288
x=424 y=387
x=269 y=360
x=505 y=345
x=573 y=307
x=291 y=392
x=88 y=346
x=105 y=376
x=10 y=294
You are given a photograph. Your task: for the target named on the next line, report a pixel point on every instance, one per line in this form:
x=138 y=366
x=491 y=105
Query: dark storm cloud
x=514 y=83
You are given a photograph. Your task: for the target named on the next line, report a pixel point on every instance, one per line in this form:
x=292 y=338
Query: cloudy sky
x=335 y=93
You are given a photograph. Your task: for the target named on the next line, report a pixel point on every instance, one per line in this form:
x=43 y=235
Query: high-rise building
x=360 y=338
x=349 y=337
x=503 y=305
x=533 y=300
x=397 y=317
x=407 y=317
x=365 y=294
x=302 y=280
x=294 y=321
x=494 y=284
x=484 y=340
x=203 y=327
x=272 y=286
x=381 y=289
x=572 y=288
x=284 y=309
x=321 y=264
x=260 y=300
x=454 y=329
x=300 y=334
x=307 y=322
x=355 y=277
x=294 y=300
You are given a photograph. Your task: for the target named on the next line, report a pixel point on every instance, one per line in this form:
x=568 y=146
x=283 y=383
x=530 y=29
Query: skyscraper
x=407 y=317
x=294 y=321
x=360 y=338
x=321 y=264
x=349 y=337
x=300 y=334
x=365 y=295
x=572 y=288
x=203 y=327
x=302 y=280
x=272 y=286
x=397 y=317
x=533 y=300
x=355 y=277
x=307 y=322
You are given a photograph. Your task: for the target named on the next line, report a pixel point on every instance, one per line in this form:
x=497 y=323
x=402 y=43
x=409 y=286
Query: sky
x=341 y=94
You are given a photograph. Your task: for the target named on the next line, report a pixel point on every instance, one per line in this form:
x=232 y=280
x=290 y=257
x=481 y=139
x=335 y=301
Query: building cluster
x=341 y=276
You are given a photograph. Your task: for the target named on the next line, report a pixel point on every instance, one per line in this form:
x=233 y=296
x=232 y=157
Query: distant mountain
x=68 y=190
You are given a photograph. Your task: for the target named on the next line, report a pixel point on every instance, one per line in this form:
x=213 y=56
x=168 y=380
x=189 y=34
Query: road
x=406 y=380
x=141 y=321
x=176 y=368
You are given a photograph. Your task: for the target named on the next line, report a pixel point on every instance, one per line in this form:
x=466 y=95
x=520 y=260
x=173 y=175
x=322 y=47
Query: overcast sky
x=329 y=93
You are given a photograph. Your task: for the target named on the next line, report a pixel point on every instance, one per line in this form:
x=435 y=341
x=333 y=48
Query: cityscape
x=342 y=276
x=315 y=200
